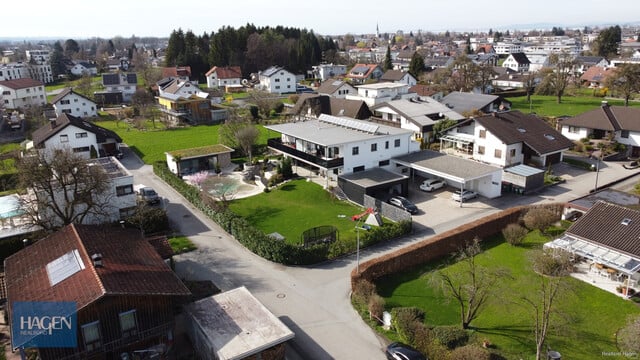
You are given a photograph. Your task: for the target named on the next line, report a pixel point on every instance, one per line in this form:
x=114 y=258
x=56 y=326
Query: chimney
x=53 y=123
x=605 y=103
x=97 y=260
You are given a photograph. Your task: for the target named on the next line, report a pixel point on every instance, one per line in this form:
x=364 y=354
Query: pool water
x=10 y=206
x=218 y=185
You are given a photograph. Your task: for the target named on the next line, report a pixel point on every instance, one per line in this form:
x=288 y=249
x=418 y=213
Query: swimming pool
x=10 y=206
x=226 y=185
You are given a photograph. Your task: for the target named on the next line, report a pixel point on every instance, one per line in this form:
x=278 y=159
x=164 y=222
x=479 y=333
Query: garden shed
x=522 y=179
x=234 y=325
x=205 y=158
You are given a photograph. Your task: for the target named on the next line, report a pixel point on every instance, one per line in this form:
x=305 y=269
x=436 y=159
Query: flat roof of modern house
x=523 y=170
x=609 y=195
x=237 y=325
x=200 y=151
x=373 y=177
x=321 y=132
x=448 y=166
x=382 y=85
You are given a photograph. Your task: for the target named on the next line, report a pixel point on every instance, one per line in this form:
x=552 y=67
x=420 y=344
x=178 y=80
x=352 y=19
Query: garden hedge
x=257 y=241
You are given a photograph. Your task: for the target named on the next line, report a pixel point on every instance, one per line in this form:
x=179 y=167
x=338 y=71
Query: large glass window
x=128 y=324
x=91 y=336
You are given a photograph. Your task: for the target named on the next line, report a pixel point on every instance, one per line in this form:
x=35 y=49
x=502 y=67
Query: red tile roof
x=226 y=72
x=131 y=266
x=176 y=71
x=596 y=74
x=21 y=83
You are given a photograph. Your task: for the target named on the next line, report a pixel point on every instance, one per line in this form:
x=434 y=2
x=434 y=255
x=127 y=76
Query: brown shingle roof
x=513 y=127
x=323 y=104
x=602 y=224
x=226 y=72
x=176 y=71
x=21 y=83
x=47 y=131
x=392 y=75
x=607 y=117
x=131 y=266
x=331 y=86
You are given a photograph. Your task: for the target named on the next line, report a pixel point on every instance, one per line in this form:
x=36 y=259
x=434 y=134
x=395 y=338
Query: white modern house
x=22 y=93
x=81 y=136
x=82 y=67
x=12 y=71
x=325 y=72
x=517 y=62
x=339 y=145
x=181 y=87
x=377 y=93
x=72 y=103
x=508 y=47
x=224 y=77
x=277 y=80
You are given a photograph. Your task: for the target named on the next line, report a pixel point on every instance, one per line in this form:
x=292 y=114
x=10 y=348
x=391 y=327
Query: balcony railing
x=277 y=144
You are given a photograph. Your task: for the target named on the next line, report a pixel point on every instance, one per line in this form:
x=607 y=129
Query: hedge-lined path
x=313 y=301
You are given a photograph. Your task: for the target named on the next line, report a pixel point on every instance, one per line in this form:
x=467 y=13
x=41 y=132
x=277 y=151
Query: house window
x=512 y=153
x=278 y=87
x=358 y=169
x=386 y=144
x=128 y=325
x=624 y=134
x=277 y=80
x=127 y=212
x=481 y=150
x=574 y=129
x=81 y=149
x=91 y=336
x=355 y=150
x=497 y=154
x=374 y=147
x=64 y=138
x=64 y=102
x=383 y=163
x=396 y=143
x=66 y=111
x=483 y=134
x=75 y=100
x=6 y=93
x=81 y=135
x=124 y=190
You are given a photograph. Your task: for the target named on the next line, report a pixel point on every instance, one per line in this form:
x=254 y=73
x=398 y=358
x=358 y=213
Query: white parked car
x=465 y=196
x=432 y=184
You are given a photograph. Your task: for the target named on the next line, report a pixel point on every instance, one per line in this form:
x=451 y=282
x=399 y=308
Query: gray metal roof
x=373 y=177
x=451 y=167
x=523 y=170
x=418 y=110
x=462 y=102
x=326 y=133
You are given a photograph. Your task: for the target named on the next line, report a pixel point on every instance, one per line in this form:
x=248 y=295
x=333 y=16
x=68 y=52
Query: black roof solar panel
x=110 y=79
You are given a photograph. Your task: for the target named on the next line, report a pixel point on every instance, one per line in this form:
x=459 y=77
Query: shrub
x=423 y=339
x=363 y=291
x=450 y=336
x=278 y=107
x=578 y=146
x=376 y=306
x=294 y=98
x=406 y=321
x=470 y=352
x=255 y=112
x=539 y=219
x=514 y=234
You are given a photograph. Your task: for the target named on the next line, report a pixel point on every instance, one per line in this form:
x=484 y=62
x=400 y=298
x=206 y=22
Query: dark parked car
x=404 y=204
x=400 y=351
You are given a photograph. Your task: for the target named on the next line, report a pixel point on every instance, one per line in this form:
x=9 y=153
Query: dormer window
x=625 y=221
x=549 y=137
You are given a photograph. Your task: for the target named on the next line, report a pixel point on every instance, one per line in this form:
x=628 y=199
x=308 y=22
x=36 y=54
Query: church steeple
x=377 y=31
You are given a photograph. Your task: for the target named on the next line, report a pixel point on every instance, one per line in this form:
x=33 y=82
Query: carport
x=377 y=183
x=467 y=174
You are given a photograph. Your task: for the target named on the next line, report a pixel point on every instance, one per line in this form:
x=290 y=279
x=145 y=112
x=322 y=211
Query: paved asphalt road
x=314 y=301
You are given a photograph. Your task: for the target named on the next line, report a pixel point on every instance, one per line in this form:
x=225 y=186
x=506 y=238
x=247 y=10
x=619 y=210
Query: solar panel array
x=351 y=124
x=110 y=79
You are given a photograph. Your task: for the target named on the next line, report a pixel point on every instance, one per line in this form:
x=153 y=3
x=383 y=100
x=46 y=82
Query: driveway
x=314 y=300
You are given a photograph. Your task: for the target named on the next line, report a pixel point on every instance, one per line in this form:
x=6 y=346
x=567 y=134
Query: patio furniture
x=611 y=273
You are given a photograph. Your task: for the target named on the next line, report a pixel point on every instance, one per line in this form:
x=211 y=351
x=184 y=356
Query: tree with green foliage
x=56 y=59
x=556 y=79
x=625 y=80
x=71 y=48
x=84 y=86
x=387 y=65
x=416 y=66
x=441 y=125
x=607 y=42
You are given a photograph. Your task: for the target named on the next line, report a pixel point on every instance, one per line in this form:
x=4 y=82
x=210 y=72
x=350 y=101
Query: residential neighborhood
x=273 y=192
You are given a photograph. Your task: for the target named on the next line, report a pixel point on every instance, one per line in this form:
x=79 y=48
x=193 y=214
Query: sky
x=50 y=19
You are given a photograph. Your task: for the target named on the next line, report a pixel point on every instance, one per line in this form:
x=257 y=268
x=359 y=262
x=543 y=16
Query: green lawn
x=571 y=105
x=95 y=80
x=151 y=144
x=295 y=207
x=592 y=315
x=181 y=244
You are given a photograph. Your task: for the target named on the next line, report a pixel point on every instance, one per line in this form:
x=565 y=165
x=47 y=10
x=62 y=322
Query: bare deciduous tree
x=62 y=189
x=264 y=101
x=555 y=79
x=247 y=137
x=625 y=80
x=84 y=86
x=551 y=266
x=473 y=285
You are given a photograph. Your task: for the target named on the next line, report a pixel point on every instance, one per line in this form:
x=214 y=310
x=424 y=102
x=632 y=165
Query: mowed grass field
x=570 y=106
x=152 y=143
x=584 y=326
x=295 y=207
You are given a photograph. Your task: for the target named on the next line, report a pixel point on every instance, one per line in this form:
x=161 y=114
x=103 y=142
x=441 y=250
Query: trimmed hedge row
x=443 y=244
x=257 y=241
